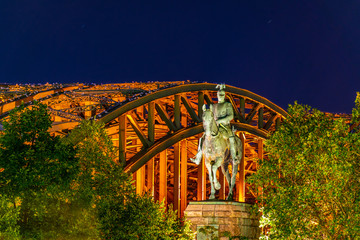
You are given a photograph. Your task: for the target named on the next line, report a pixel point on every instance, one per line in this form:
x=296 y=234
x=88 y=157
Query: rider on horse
x=223 y=114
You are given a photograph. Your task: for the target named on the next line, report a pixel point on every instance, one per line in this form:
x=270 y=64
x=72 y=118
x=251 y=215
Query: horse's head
x=207 y=115
x=208 y=119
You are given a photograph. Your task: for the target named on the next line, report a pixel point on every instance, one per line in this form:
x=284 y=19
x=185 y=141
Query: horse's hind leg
x=225 y=171
x=212 y=193
x=235 y=165
x=233 y=179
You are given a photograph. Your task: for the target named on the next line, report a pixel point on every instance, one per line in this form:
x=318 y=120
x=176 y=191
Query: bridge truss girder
x=156 y=132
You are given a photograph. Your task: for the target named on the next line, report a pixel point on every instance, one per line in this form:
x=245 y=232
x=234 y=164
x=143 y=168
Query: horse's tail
x=239 y=147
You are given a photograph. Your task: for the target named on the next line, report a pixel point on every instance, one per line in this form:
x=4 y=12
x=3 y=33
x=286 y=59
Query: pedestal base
x=214 y=218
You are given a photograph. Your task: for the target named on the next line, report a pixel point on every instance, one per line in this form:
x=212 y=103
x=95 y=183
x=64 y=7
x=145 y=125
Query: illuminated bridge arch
x=158 y=132
x=249 y=109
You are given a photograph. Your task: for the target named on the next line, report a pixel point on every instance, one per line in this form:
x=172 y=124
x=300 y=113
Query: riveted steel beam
x=261 y=118
x=138 y=131
x=252 y=113
x=236 y=111
x=270 y=121
x=207 y=99
x=190 y=110
x=200 y=104
x=165 y=117
x=177 y=112
x=145 y=155
x=189 y=88
x=151 y=121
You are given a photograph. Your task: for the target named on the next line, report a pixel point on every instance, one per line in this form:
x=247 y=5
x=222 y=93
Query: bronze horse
x=216 y=152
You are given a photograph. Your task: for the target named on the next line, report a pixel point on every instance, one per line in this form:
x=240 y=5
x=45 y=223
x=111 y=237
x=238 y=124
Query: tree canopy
x=32 y=159
x=37 y=171
x=72 y=187
x=310 y=179
x=121 y=213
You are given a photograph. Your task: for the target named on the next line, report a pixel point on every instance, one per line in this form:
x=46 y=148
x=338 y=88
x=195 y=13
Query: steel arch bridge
x=157 y=131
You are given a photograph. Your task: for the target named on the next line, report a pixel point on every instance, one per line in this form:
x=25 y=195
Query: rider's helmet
x=221 y=92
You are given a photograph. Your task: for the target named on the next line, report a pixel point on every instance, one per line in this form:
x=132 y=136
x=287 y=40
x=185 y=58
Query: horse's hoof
x=212 y=197
x=229 y=197
x=217 y=186
x=236 y=161
x=195 y=160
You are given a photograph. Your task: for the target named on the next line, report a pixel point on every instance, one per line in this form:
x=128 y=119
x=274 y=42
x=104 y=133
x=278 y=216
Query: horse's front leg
x=214 y=170
x=199 y=154
x=212 y=193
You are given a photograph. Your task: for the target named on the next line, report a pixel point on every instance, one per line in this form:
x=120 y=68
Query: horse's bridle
x=217 y=132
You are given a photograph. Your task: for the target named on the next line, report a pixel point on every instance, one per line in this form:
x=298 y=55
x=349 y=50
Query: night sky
x=288 y=50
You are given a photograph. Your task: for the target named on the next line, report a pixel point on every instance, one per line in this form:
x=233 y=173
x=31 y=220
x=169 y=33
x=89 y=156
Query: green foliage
x=356 y=110
x=33 y=160
x=57 y=216
x=121 y=213
x=38 y=171
x=71 y=188
x=212 y=233
x=9 y=215
x=139 y=217
x=96 y=153
x=310 y=180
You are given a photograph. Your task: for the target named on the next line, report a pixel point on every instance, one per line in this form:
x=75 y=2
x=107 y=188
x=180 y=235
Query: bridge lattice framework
x=156 y=132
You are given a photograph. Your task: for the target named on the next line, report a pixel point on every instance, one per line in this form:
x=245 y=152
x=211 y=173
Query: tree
x=310 y=181
x=32 y=159
x=139 y=217
x=121 y=213
x=67 y=188
x=9 y=215
x=36 y=177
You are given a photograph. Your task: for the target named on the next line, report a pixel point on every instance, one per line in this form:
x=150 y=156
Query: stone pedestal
x=217 y=217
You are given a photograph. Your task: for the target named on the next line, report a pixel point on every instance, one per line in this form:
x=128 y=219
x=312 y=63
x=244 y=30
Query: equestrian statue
x=219 y=145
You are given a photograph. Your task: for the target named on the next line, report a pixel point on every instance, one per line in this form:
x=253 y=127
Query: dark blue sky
x=289 y=50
